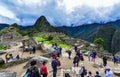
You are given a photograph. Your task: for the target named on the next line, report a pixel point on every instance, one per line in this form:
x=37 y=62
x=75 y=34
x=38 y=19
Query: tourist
x=76 y=60
x=108 y=72
x=89 y=74
x=11 y=58
x=115 y=59
x=54 y=65
x=93 y=56
x=104 y=61
x=44 y=69
x=89 y=55
x=32 y=71
x=82 y=70
x=51 y=49
x=54 y=54
x=75 y=48
x=80 y=56
x=97 y=74
x=69 y=53
x=33 y=49
x=58 y=51
x=17 y=57
x=7 y=57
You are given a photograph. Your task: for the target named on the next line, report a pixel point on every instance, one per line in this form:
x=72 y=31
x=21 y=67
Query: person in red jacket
x=44 y=68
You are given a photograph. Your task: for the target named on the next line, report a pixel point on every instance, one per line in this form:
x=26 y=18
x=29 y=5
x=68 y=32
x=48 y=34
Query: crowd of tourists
x=56 y=52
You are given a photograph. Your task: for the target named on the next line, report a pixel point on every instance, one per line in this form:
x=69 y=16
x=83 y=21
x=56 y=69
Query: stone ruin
x=4 y=73
x=39 y=60
x=10 y=36
x=27 y=43
x=16 y=62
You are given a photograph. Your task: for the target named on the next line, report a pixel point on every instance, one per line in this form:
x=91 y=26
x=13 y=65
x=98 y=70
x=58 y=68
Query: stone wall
x=39 y=59
x=4 y=73
x=53 y=34
x=15 y=62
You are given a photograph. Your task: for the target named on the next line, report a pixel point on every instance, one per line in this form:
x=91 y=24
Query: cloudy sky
x=59 y=12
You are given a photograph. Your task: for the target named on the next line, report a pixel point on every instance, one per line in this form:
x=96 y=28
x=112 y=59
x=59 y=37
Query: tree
x=99 y=42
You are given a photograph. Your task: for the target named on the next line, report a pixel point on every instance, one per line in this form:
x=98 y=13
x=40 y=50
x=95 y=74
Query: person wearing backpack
x=97 y=74
x=76 y=60
x=89 y=74
x=82 y=71
x=104 y=61
x=54 y=54
x=69 y=54
x=54 y=65
x=43 y=70
x=32 y=71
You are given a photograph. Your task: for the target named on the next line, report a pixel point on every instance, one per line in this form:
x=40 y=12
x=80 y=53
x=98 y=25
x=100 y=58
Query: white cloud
x=60 y=12
x=7 y=13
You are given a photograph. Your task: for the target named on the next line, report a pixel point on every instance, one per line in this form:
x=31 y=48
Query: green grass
x=2 y=47
x=39 y=38
x=44 y=38
x=64 y=45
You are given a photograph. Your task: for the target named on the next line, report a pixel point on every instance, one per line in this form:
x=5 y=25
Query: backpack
x=85 y=72
x=59 y=64
x=54 y=53
x=41 y=71
x=32 y=72
x=54 y=63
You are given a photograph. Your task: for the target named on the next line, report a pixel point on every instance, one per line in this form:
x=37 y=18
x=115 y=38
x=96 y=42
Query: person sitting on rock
x=7 y=57
x=17 y=57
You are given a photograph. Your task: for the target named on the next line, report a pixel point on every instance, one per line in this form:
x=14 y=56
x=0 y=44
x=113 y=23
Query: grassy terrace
x=49 y=40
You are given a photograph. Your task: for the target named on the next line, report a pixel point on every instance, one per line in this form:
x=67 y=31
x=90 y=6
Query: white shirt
x=109 y=74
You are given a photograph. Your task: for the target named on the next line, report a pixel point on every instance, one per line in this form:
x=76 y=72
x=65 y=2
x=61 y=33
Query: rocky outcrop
x=97 y=65
x=16 y=62
x=39 y=60
x=4 y=73
x=9 y=34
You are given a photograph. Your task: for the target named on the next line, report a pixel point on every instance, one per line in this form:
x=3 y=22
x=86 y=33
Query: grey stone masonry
x=7 y=74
